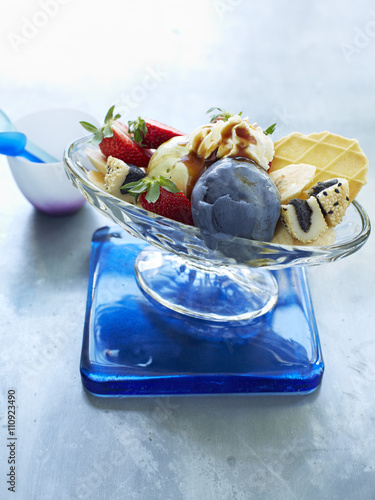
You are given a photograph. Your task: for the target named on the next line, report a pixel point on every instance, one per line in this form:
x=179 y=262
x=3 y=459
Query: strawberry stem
x=139 y=129
x=153 y=192
x=106 y=130
x=151 y=186
x=109 y=115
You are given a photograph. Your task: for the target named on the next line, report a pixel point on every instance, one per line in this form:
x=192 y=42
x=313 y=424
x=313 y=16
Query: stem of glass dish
x=215 y=294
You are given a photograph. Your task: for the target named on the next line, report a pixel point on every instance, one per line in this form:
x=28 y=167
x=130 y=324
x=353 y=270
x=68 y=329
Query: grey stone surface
x=309 y=66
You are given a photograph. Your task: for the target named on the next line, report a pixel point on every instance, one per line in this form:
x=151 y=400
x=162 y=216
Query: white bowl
x=46 y=185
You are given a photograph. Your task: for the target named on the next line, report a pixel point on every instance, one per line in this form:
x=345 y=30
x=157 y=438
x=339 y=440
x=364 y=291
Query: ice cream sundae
x=229 y=177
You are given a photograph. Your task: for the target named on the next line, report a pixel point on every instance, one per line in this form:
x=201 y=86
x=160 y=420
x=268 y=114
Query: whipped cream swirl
x=235 y=137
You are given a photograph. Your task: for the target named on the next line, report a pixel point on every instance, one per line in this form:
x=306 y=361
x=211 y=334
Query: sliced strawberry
x=172 y=205
x=151 y=133
x=161 y=196
x=113 y=140
x=121 y=146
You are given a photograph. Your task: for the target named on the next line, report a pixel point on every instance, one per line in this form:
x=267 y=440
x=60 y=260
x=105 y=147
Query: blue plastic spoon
x=14 y=144
x=42 y=156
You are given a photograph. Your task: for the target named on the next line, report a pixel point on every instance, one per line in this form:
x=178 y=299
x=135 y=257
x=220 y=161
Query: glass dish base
x=133 y=347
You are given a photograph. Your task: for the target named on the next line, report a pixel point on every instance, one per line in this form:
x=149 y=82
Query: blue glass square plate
x=133 y=348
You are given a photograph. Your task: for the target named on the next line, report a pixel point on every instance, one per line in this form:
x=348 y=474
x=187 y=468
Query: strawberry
x=161 y=196
x=151 y=133
x=113 y=140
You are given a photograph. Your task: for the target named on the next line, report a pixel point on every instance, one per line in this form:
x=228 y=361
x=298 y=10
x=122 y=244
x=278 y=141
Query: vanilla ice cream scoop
x=174 y=160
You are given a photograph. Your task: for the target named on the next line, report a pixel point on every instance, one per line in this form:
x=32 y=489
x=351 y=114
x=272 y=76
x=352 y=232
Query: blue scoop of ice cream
x=238 y=198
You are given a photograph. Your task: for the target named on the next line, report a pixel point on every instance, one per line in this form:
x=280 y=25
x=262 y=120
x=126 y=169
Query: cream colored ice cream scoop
x=175 y=161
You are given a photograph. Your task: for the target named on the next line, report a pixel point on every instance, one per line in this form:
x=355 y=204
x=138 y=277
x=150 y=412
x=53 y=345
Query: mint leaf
x=270 y=130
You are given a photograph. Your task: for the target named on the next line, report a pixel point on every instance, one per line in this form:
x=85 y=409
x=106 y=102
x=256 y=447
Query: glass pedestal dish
x=192 y=313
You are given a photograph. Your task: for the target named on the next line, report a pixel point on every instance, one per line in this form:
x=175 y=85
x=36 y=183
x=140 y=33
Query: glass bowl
x=220 y=278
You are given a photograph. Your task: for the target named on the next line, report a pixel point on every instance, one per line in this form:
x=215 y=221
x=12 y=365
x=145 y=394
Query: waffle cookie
x=332 y=155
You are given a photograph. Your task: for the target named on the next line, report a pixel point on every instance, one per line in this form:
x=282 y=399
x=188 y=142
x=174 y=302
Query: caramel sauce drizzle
x=195 y=167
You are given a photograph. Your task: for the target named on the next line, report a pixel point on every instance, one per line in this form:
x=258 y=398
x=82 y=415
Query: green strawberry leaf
x=143 y=126
x=136 y=189
x=138 y=128
x=270 y=130
x=109 y=115
x=138 y=136
x=152 y=186
x=168 y=184
x=153 y=192
x=107 y=131
x=89 y=127
x=103 y=132
x=98 y=137
x=130 y=185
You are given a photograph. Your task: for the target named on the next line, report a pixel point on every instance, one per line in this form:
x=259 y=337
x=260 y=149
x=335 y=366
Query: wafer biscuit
x=331 y=154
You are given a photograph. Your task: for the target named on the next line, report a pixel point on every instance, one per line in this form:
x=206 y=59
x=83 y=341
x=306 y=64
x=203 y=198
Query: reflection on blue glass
x=132 y=347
